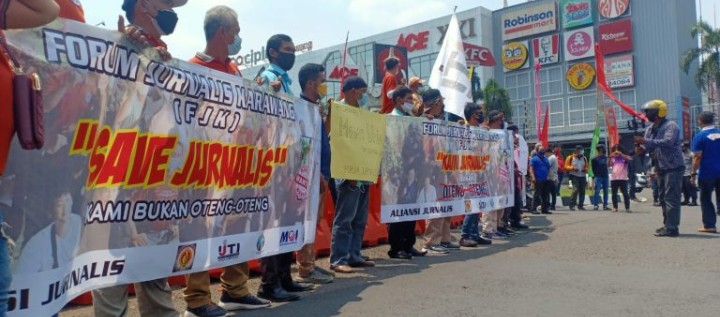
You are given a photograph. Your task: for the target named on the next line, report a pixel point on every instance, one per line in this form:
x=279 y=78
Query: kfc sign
x=579 y=44
x=616 y=37
x=414 y=41
x=546 y=49
x=478 y=55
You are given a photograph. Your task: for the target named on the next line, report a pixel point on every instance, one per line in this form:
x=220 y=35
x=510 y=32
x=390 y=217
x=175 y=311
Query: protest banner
x=356 y=142
x=436 y=169
x=150 y=169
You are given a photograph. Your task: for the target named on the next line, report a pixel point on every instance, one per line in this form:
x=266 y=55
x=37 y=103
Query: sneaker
x=401 y=255
x=606 y=208
x=316 y=277
x=468 y=243
x=596 y=208
x=656 y=204
x=246 y=302
x=450 y=245
x=506 y=231
x=692 y=204
x=435 y=249
x=659 y=229
x=572 y=208
x=628 y=211
x=415 y=252
x=209 y=310
x=483 y=241
x=707 y=230
x=684 y=203
x=582 y=208
x=519 y=226
x=497 y=236
x=667 y=233
x=324 y=271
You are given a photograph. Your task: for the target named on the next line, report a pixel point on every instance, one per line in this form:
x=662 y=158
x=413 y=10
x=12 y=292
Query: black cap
x=578 y=147
x=353 y=82
x=513 y=127
x=431 y=95
x=600 y=146
x=128 y=6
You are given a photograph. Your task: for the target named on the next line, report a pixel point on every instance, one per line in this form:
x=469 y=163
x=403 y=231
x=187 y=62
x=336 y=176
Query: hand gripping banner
x=150 y=169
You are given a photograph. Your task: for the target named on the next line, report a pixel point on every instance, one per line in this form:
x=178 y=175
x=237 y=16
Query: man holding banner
x=474 y=117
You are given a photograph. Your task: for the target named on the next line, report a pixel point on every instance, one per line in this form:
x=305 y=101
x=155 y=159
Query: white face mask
x=407 y=107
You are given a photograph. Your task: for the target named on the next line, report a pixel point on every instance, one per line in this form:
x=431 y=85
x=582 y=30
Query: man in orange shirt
x=392 y=67
x=221 y=33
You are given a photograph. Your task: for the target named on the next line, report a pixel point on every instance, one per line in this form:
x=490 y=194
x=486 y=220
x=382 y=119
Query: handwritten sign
x=357 y=140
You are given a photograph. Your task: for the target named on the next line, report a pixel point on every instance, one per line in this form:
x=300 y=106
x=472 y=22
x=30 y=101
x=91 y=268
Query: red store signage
x=414 y=41
x=616 y=37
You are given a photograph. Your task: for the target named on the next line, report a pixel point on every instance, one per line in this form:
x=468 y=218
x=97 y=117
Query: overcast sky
x=323 y=22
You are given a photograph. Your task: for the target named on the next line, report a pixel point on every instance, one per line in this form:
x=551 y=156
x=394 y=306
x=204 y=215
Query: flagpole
x=342 y=70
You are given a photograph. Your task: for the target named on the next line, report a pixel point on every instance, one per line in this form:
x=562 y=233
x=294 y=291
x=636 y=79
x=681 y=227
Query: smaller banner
x=576 y=13
x=437 y=169
x=579 y=43
x=356 y=142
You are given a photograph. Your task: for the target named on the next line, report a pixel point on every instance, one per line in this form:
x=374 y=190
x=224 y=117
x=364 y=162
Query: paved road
x=572 y=263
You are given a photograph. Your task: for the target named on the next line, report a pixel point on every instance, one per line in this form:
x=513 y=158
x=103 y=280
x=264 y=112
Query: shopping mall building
x=642 y=42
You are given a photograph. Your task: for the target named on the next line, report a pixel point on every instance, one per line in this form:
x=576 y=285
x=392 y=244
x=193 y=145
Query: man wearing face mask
x=280 y=51
x=149 y=21
x=662 y=140
x=401 y=235
x=351 y=208
x=277 y=283
x=221 y=34
x=314 y=88
x=474 y=117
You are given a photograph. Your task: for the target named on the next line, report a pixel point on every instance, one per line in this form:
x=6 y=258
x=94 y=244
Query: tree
x=496 y=98
x=709 y=71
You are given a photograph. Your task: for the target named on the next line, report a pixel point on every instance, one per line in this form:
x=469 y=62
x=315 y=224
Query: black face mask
x=165 y=21
x=285 y=60
x=480 y=117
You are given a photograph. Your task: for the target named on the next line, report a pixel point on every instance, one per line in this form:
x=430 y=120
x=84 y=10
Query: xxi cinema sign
x=529 y=21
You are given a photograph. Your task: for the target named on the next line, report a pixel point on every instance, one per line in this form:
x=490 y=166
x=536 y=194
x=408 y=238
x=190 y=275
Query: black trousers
x=516 y=212
x=401 y=236
x=276 y=269
x=622 y=185
x=542 y=188
x=689 y=191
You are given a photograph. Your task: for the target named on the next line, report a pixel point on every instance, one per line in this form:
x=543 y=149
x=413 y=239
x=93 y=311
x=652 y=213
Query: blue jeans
x=351 y=213
x=601 y=182
x=470 y=226
x=709 y=218
x=5 y=274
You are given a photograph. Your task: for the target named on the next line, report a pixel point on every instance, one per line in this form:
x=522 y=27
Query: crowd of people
x=673 y=169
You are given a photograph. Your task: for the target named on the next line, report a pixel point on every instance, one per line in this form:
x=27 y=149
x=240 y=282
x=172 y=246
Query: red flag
x=538 y=101
x=602 y=83
x=612 y=127
x=544 y=133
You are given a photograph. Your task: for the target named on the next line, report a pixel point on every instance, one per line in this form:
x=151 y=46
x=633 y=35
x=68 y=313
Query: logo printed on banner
x=576 y=12
x=619 y=71
x=289 y=237
x=610 y=9
x=228 y=251
x=546 y=49
x=616 y=37
x=468 y=205
x=260 y=243
x=515 y=55
x=579 y=44
x=529 y=21
x=580 y=76
x=185 y=257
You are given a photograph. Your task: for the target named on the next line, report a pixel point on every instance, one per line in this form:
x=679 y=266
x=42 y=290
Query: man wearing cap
x=437 y=231
x=415 y=83
x=392 y=68
x=351 y=208
x=150 y=20
x=706 y=145
x=577 y=165
x=662 y=140
x=601 y=174
x=222 y=36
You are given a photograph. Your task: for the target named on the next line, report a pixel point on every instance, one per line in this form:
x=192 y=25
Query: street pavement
x=571 y=263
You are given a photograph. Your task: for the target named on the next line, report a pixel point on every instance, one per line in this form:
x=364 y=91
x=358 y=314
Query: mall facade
x=642 y=42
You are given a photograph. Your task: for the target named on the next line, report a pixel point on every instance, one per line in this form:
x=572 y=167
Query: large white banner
x=150 y=169
x=436 y=169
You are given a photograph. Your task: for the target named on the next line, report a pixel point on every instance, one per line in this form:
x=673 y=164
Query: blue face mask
x=234 y=47
x=363 y=101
